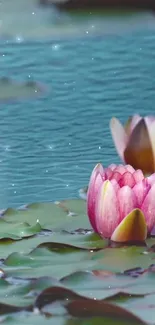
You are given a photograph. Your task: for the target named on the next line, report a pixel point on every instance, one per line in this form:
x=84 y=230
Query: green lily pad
x=16 y=231
x=21 y=292
x=51 y=260
x=56 y=262
x=67 y=216
x=121 y=259
x=12 y=90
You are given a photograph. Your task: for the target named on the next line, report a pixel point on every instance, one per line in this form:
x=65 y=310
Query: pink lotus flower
x=121 y=203
x=135 y=142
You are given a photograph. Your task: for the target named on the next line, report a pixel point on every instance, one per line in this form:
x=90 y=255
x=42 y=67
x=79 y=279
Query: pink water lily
x=121 y=203
x=135 y=142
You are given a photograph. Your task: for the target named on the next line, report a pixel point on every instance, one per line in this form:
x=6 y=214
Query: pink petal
x=126 y=200
x=141 y=189
x=148 y=208
x=127 y=179
x=138 y=175
x=112 y=166
x=109 y=170
x=135 y=120
x=108 y=173
x=151 y=132
x=116 y=175
x=107 y=212
x=115 y=185
x=138 y=151
x=149 y=120
x=121 y=169
x=130 y=169
x=119 y=136
x=94 y=185
x=151 y=179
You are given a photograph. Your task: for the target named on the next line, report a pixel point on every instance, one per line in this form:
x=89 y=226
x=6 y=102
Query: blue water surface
x=49 y=145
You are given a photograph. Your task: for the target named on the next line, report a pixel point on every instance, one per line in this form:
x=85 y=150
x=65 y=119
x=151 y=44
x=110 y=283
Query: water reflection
x=22 y=19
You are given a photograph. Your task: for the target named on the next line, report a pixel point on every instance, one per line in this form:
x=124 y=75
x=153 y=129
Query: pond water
x=91 y=71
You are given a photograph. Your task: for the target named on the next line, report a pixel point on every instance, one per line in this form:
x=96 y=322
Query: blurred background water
x=93 y=69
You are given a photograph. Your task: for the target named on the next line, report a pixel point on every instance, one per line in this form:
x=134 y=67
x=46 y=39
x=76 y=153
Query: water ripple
x=49 y=146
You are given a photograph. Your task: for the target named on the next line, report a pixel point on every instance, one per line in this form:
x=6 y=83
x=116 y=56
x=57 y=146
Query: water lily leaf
x=8 y=309
x=18 y=230
x=61 y=267
x=102 y=320
x=42 y=261
x=12 y=90
x=84 y=242
x=23 y=292
x=25 y=318
x=78 y=306
x=65 y=215
x=88 y=241
x=101 y=284
x=120 y=259
x=142 y=307
x=87 y=308
x=53 y=294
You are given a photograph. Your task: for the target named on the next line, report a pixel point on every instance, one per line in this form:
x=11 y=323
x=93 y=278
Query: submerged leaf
x=12 y=90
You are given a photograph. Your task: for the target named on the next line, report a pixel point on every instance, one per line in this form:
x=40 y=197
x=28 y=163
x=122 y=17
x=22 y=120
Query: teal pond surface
x=62 y=77
x=50 y=143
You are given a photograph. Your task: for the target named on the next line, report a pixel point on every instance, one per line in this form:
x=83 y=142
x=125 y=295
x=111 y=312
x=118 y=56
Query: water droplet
x=19 y=39
x=36 y=311
x=7 y=148
x=50 y=147
x=55 y=47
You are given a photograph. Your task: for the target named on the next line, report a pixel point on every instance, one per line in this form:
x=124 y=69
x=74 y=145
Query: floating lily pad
x=67 y=216
x=51 y=260
x=16 y=231
x=13 y=90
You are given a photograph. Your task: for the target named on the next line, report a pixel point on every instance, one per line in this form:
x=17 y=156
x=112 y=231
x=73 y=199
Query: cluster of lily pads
x=54 y=268
x=88 y=261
